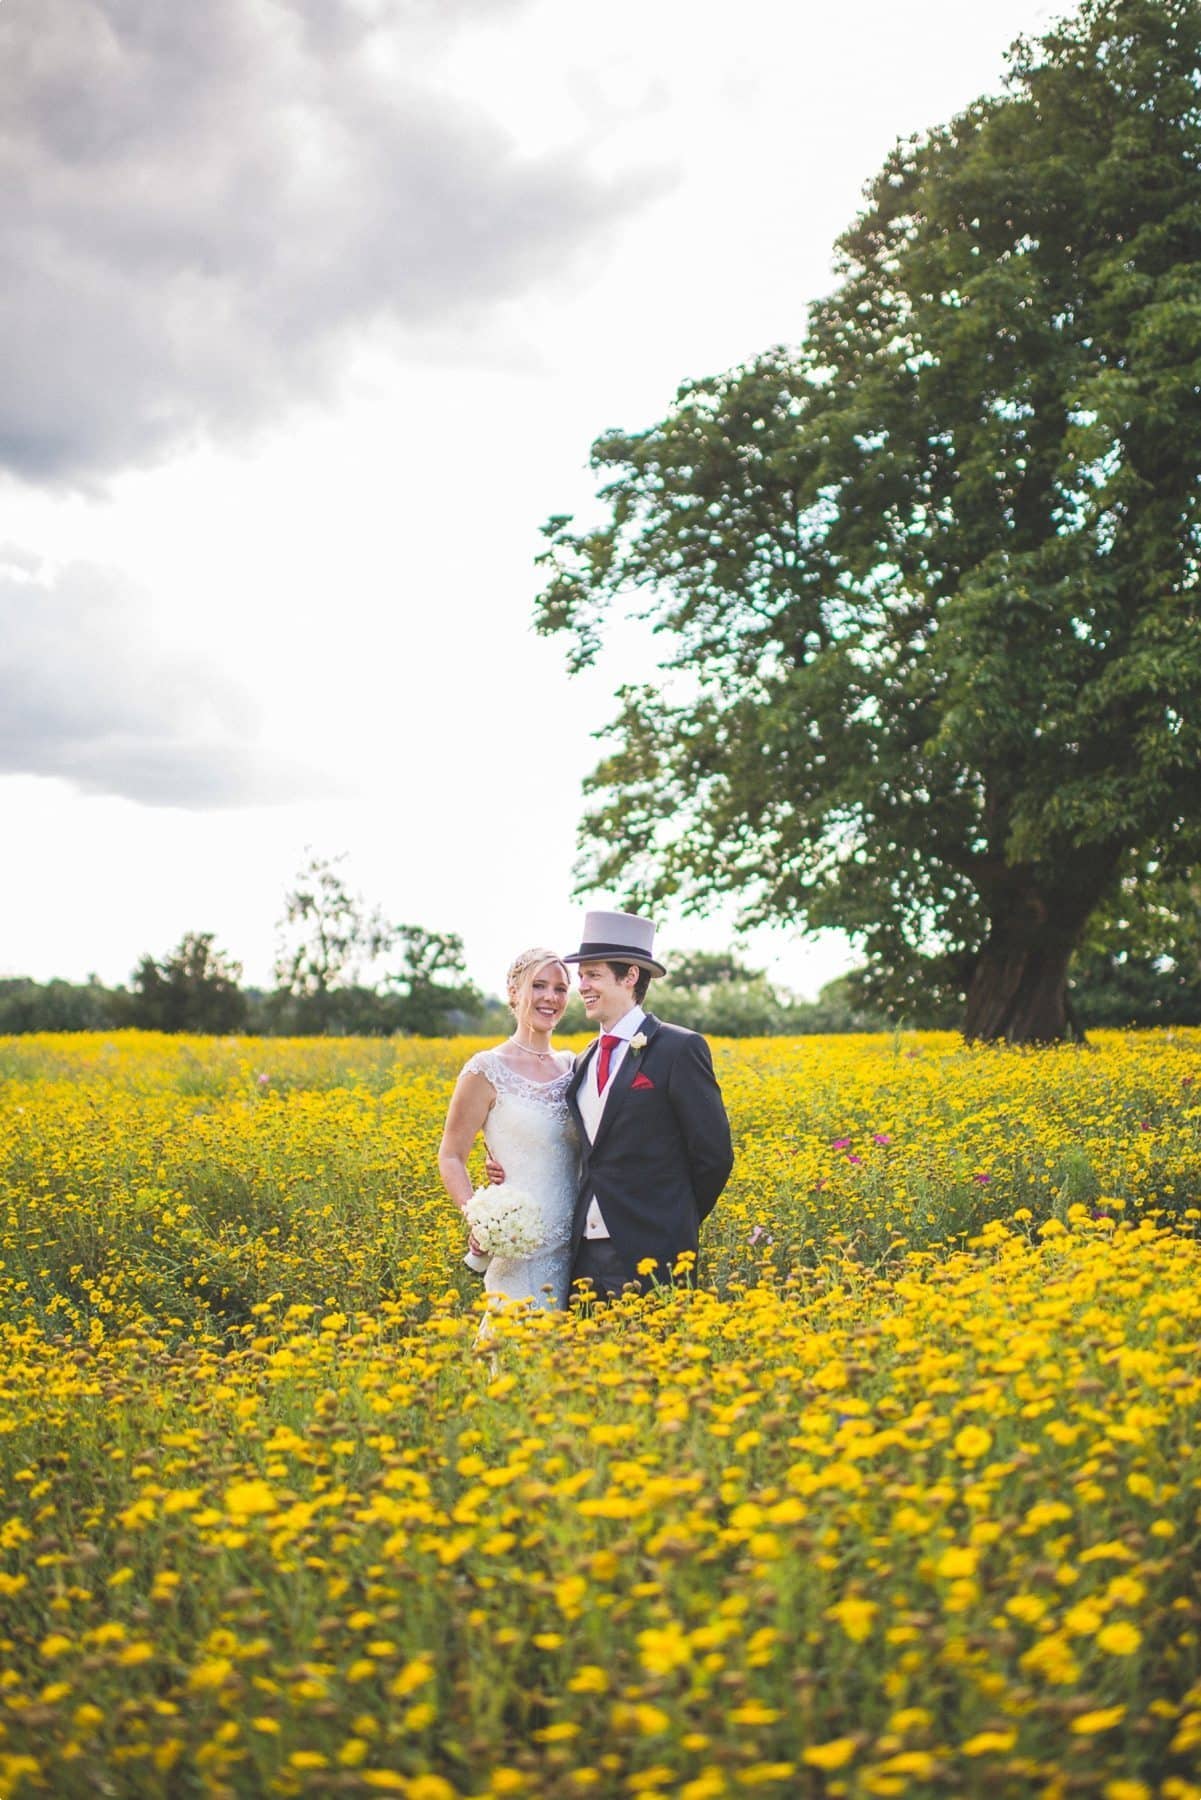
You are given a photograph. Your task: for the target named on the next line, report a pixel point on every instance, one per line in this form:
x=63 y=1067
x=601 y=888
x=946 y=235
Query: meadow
x=902 y=1496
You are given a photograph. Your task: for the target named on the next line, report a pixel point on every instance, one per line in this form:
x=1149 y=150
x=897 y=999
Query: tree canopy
x=329 y=936
x=433 y=995
x=194 y=988
x=1140 y=961
x=326 y=934
x=928 y=586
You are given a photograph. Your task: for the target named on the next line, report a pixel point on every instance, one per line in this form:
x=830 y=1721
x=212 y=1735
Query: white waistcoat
x=590 y=1103
x=592 y=1108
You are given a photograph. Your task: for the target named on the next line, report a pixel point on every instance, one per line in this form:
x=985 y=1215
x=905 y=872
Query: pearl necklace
x=542 y=1055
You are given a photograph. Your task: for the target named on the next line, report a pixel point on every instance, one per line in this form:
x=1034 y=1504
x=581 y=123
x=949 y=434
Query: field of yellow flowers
x=902 y=1498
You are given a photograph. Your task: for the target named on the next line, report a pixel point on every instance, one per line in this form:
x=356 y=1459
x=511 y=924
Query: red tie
x=607 y=1046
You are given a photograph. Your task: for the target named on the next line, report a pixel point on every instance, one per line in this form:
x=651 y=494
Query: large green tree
x=928 y=587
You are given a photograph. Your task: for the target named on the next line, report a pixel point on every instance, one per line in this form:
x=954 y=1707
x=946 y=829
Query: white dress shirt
x=592 y=1103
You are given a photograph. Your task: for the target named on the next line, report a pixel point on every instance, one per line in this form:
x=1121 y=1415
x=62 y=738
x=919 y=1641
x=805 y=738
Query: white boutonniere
x=638 y=1042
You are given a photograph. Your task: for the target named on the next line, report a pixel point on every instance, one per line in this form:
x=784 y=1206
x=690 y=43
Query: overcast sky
x=309 y=313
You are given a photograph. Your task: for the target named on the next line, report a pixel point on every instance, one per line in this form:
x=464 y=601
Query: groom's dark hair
x=622 y=969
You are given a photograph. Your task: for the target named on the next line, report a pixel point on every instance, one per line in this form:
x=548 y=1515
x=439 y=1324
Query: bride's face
x=542 y=997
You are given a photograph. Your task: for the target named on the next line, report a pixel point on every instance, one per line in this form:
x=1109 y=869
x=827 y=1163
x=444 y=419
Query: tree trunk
x=1019 y=986
x=1021 y=995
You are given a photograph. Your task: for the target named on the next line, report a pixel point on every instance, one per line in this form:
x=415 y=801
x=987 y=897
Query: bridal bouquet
x=505 y=1221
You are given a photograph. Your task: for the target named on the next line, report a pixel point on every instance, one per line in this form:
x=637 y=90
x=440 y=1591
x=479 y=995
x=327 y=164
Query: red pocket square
x=642 y=1081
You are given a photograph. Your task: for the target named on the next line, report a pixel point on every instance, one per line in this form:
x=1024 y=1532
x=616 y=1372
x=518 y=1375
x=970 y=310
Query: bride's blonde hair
x=525 y=965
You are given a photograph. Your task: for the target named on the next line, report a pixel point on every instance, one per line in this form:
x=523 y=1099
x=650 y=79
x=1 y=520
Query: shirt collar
x=628 y=1026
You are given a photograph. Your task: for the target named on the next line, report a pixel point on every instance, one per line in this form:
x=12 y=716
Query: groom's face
x=606 y=997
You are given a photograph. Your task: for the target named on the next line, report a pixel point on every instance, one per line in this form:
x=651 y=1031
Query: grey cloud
x=88 y=694
x=201 y=203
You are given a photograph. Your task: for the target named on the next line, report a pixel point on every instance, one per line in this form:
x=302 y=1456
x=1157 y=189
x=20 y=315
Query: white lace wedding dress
x=531 y=1133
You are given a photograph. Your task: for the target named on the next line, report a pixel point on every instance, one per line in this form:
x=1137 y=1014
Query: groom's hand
x=493 y=1171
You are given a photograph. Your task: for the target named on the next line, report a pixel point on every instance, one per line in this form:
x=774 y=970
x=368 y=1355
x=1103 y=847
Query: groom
x=654 y=1132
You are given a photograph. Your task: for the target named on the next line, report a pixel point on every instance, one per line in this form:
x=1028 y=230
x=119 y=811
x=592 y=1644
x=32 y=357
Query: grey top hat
x=618 y=937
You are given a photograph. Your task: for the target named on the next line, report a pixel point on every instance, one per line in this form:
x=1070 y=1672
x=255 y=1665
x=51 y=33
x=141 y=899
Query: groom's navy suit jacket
x=662 y=1153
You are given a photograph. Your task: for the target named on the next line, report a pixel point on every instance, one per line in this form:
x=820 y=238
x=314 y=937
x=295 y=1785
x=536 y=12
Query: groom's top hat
x=618 y=937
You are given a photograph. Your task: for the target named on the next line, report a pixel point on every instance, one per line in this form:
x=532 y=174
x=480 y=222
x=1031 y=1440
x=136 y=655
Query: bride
x=516 y=1094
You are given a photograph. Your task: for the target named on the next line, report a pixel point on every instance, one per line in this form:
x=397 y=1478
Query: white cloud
x=206 y=204
x=89 y=693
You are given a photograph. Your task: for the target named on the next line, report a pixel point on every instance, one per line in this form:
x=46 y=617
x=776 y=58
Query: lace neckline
x=530 y=1080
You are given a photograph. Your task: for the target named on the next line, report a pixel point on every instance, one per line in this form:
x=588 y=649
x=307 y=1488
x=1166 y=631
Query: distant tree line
x=1140 y=970
x=340 y=968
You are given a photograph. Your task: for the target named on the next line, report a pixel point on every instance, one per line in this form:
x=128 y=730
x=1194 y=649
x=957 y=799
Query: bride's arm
x=470 y=1105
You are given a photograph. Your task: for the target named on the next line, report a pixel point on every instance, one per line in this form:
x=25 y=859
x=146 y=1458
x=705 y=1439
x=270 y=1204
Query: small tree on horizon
x=194 y=988
x=709 y=969
x=327 y=934
x=431 y=988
